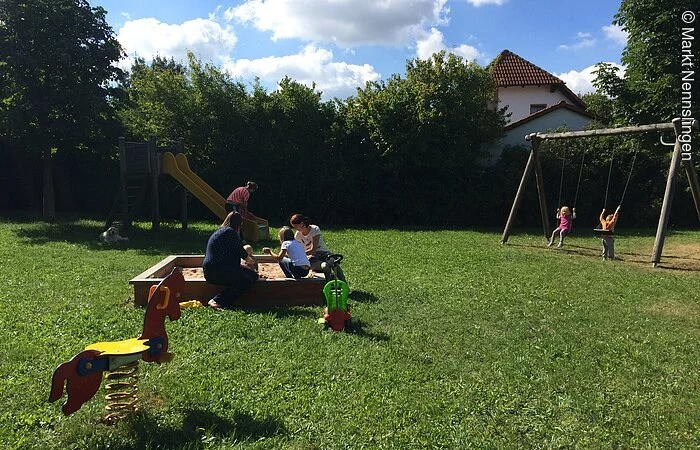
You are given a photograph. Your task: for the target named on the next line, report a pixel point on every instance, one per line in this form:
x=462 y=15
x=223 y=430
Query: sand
x=265 y=270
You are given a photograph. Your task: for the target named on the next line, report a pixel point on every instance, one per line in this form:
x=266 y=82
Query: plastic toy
x=336 y=314
x=82 y=375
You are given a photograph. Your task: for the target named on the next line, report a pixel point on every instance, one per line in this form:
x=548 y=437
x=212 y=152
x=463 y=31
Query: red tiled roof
x=510 y=69
x=548 y=110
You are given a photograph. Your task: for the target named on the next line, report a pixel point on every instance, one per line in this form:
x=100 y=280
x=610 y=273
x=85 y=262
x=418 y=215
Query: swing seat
x=604 y=232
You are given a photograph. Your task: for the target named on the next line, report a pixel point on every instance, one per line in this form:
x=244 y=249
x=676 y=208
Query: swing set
x=602 y=231
x=607 y=186
x=677 y=125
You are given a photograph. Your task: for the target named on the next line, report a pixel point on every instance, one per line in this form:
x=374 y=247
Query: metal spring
x=121 y=396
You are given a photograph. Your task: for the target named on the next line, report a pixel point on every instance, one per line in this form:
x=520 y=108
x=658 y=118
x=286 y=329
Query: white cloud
x=478 y=3
x=466 y=51
x=212 y=43
x=312 y=64
x=616 y=33
x=584 y=40
x=347 y=23
x=433 y=42
x=581 y=82
x=207 y=39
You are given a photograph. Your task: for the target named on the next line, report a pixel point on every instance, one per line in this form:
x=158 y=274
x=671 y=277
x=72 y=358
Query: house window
x=536 y=107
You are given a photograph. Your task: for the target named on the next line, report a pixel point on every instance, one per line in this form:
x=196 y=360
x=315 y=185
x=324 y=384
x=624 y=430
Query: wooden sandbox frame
x=264 y=293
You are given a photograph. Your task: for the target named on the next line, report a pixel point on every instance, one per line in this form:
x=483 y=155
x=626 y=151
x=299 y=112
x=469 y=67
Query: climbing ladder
x=139 y=170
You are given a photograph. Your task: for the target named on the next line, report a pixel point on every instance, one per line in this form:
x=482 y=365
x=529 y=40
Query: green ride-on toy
x=336 y=314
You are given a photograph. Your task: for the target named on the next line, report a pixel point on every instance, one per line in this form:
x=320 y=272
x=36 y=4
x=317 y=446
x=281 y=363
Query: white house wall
x=520 y=98
x=554 y=119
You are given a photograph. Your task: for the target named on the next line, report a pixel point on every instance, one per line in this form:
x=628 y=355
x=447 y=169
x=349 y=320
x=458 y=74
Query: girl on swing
x=565 y=217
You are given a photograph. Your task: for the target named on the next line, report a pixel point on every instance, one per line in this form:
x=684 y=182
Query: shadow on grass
x=358 y=328
x=363 y=297
x=200 y=429
x=283 y=312
x=685 y=263
x=168 y=240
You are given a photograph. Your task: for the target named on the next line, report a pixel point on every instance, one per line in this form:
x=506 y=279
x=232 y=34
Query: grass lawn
x=460 y=342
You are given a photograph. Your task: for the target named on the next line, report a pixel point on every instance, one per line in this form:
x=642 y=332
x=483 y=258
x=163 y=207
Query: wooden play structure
x=679 y=157
x=118 y=360
x=140 y=166
x=263 y=294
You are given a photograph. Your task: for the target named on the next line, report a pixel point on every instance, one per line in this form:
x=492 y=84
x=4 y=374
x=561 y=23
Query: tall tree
x=421 y=137
x=650 y=90
x=57 y=76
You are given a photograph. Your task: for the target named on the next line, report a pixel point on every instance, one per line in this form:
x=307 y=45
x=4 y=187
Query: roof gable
x=509 y=69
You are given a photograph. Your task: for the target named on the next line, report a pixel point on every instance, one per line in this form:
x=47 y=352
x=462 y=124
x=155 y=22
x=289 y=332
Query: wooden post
x=539 y=177
x=693 y=182
x=154 y=170
x=668 y=197
x=126 y=218
x=183 y=192
x=518 y=197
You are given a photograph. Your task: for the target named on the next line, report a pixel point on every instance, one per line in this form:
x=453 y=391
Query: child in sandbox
x=292 y=256
x=250 y=261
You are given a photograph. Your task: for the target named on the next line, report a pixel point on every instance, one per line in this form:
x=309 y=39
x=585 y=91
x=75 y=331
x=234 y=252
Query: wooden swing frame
x=677 y=125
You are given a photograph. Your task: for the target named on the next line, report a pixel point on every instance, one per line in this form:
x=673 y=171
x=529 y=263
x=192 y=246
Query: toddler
x=565 y=217
x=607 y=225
x=292 y=256
x=250 y=261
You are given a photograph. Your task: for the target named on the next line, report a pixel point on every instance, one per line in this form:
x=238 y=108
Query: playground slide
x=178 y=167
x=170 y=166
x=184 y=167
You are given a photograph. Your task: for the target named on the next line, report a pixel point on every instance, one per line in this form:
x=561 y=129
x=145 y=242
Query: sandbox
x=271 y=291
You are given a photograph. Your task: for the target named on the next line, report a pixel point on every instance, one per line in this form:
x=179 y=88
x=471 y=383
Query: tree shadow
x=199 y=428
x=363 y=297
x=169 y=239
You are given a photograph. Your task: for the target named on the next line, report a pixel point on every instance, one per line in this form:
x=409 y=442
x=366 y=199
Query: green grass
x=459 y=342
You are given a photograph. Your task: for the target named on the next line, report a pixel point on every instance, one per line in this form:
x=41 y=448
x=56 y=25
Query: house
x=536 y=99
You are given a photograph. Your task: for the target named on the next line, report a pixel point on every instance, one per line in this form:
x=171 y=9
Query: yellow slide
x=178 y=167
x=169 y=165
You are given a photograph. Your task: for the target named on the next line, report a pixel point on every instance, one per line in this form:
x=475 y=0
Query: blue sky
x=341 y=44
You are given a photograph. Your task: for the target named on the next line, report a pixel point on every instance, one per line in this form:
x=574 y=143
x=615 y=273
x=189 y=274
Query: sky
x=341 y=44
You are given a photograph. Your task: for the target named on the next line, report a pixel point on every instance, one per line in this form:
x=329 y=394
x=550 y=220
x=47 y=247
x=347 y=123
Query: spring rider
x=119 y=360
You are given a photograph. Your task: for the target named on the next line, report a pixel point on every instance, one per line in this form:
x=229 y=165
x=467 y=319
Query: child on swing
x=565 y=217
x=607 y=226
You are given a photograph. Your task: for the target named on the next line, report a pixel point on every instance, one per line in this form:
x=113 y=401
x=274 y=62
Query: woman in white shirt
x=311 y=238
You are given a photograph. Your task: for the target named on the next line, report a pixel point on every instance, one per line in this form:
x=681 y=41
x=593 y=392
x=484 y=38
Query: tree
x=650 y=90
x=57 y=76
x=421 y=138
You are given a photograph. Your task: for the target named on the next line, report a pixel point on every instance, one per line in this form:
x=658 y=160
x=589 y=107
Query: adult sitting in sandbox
x=222 y=263
x=310 y=237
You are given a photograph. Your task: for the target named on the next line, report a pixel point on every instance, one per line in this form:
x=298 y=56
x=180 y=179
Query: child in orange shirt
x=607 y=224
